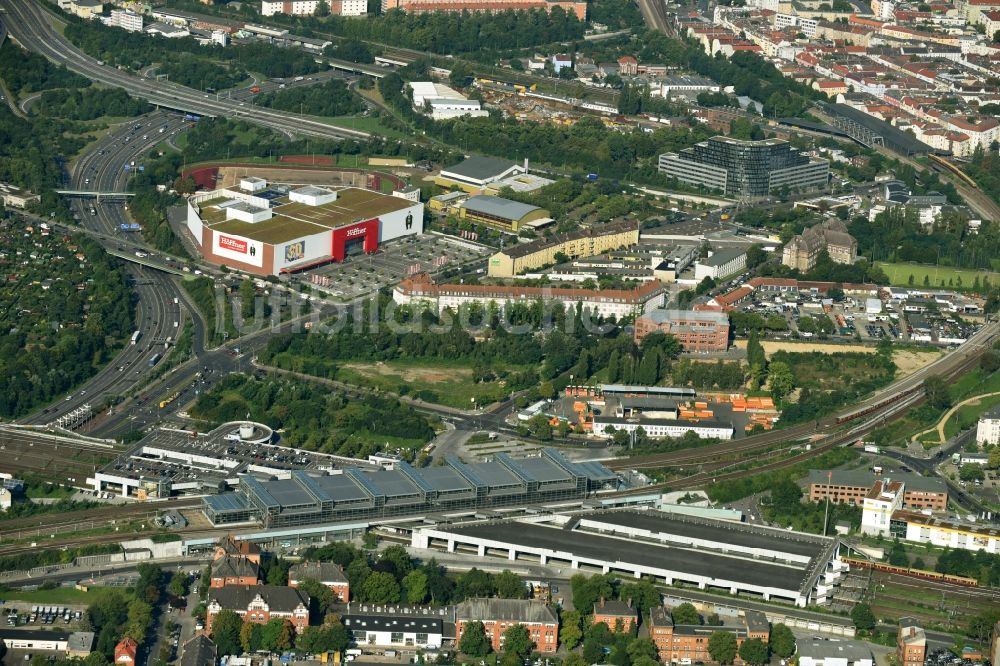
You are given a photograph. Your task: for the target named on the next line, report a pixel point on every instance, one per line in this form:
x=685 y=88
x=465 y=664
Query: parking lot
x=363 y=274
x=39 y=615
x=192 y=462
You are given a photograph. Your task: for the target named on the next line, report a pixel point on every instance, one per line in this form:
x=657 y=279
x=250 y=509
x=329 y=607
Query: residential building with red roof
x=126 y=651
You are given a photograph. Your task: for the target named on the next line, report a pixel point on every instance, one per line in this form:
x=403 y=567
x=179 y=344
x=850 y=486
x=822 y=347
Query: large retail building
x=745 y=168
x=268 y=230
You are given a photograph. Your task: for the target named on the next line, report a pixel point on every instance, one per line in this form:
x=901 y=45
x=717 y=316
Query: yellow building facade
x=583 y=243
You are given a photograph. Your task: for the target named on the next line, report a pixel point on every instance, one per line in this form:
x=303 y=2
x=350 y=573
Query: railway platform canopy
x=793 y=567
x=357 y=493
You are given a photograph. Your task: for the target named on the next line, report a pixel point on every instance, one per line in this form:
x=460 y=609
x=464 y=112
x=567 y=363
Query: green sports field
x=899 y=275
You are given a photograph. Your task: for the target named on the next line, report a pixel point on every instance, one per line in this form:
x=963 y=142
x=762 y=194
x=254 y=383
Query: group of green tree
x=784 y=507
x=541 y=356
x=392 y=576
x=138 y=50
x=829 y=381
x=218 y=315
x=39 y=558
x=748 y=73
x=614 y=645
x=330 y=98
x=38 y=360
x=90 y=103
x=29 y=156
x=984 y=168
x=614 y=15
x=983 y=566
x=730 y=490
x=777 y=373
x=587 y=146
x=573 y=199
x=233 y=635
x=449 y=32
x=313 y=418
x=897 y=235
x=195 y=72
x=26 y=72
x=118 y=613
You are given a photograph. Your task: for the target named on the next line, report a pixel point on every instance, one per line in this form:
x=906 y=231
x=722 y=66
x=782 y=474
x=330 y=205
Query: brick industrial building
x=235 y=563
x=688 y=644
x=498 y=615
x=618 y=615
x=259 y=603
x=911 y=643
x=851 y=487
x=697 y=331
x=329 y=574
x=802 y=251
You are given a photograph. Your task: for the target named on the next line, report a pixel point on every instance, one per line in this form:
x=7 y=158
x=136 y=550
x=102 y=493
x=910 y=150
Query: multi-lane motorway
x=162 y=306
x=31 y=25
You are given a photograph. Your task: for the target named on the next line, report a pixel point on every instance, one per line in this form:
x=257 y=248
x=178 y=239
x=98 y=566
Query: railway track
x=707 y=453
x=90 y=540
x=830 y=443
x=873 y=410
x=99 y=514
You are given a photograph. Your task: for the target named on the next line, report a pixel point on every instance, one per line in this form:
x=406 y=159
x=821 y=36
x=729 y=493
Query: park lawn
x=363 y=124
x=899 y=275
x=440 y=381
x=967 y=415
x=59 y=595
x=973 y=384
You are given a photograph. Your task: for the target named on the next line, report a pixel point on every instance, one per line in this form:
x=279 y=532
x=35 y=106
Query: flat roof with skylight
x=292 y=220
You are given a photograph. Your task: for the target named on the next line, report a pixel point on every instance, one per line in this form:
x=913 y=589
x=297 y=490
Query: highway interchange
x=163 y=307
x=31 y=25
x=160 y=302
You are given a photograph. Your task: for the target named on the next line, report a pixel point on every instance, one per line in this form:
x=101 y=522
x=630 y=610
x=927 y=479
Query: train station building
x=356 y=493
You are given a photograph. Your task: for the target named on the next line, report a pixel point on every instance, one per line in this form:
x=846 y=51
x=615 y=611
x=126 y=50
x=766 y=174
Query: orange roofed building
x=229 y=546
x=422 y=289
x=126 y=651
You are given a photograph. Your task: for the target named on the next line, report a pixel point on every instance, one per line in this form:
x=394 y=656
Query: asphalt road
x=162 y=306
x=30 y=24
x=928 y=467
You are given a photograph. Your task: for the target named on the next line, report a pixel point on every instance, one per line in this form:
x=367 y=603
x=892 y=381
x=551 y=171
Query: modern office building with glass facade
x=354 y=493
x=745 y=168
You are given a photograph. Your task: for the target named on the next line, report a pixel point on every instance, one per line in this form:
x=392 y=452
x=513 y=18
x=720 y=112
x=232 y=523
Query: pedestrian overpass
x=96 y=194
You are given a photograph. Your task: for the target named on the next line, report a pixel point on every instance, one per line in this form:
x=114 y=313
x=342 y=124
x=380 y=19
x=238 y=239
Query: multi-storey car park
x=172 y=462
x=774 y=564
x=354 y=493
